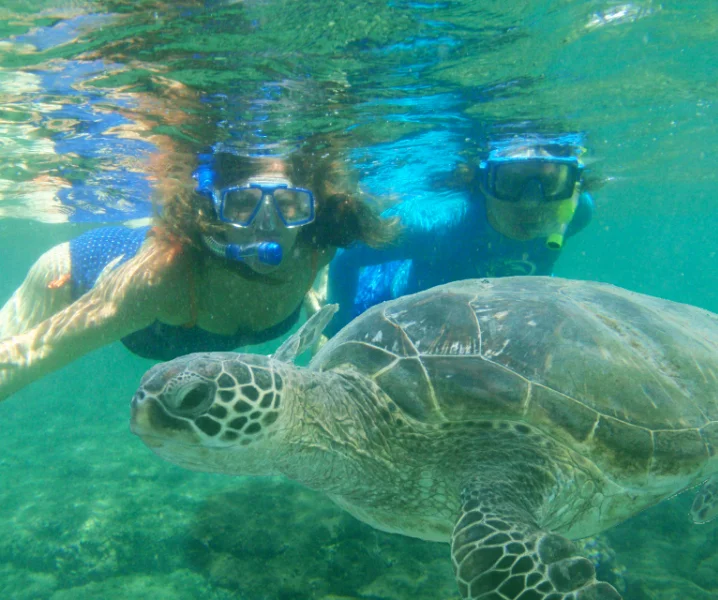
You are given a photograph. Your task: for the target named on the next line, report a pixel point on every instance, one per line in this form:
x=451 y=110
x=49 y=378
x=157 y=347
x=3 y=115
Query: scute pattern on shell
x=625 y=378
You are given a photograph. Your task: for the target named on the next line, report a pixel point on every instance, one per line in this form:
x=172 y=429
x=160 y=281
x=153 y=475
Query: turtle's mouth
x=150 y=422
x=168 y=445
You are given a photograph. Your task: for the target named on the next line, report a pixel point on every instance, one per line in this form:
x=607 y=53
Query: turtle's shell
x=628 y=379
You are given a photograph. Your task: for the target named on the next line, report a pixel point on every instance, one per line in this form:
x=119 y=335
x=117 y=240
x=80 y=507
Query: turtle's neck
x=342 y=429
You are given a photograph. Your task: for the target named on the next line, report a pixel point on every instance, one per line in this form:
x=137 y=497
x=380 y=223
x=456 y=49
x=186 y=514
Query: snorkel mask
x=517 y=176
x=240 y=206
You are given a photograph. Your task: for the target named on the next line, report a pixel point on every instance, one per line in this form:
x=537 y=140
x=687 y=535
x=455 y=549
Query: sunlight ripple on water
x=94 y=90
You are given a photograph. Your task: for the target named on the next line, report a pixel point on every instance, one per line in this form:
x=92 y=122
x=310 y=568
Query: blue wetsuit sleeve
x=582 y=216
x=426 y=225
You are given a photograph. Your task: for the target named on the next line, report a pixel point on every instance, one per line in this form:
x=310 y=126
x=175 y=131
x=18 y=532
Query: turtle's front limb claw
x=499 y=553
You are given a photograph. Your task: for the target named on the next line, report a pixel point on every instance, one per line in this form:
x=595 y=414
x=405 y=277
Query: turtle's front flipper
x=500 y=553
x=705 y=505
x=307 y=335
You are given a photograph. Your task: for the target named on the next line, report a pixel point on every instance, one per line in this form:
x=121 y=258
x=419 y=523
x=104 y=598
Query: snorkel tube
x=580 y=216
x=555 y=241
x=564 y=215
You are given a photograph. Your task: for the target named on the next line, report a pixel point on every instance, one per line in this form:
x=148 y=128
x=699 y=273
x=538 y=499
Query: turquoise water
x=90 y=90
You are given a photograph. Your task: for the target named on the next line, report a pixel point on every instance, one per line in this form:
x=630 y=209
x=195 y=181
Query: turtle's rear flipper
x=498 y=552
x=705 y=505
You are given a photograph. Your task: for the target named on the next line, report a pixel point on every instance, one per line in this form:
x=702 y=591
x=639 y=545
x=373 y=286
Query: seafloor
x=87 y=512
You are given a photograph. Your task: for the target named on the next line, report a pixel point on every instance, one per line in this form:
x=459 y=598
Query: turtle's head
x=202 y=411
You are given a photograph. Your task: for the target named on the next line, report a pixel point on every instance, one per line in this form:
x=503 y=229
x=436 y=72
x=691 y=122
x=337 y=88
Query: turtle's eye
x=193 y=400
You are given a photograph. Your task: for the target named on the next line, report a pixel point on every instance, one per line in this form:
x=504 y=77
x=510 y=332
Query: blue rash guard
x=92 y=251
x=446 y=240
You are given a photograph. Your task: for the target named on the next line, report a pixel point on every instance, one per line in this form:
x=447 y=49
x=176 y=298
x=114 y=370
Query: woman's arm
x=150 y=285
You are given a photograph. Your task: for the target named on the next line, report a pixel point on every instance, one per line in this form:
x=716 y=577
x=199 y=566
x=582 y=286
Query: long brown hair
x=344 y=214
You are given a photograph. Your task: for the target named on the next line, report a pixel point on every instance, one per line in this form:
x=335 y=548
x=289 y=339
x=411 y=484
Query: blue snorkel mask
x=238 y=206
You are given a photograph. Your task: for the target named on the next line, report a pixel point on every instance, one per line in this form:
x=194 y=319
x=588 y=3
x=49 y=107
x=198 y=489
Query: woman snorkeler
x=226 y=263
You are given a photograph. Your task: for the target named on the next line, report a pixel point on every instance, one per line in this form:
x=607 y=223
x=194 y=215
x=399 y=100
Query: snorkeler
x=227 y=263
x=517 y=209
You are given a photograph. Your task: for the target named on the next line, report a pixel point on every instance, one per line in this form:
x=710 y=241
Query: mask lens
x=556 y=179
x=239 y=205
x=295 y=206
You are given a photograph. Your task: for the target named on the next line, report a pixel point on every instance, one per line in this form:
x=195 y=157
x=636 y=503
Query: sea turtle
x=504 y=416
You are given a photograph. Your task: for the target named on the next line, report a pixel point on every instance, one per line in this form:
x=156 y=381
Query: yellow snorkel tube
x=564 y=215
x=555 y=241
